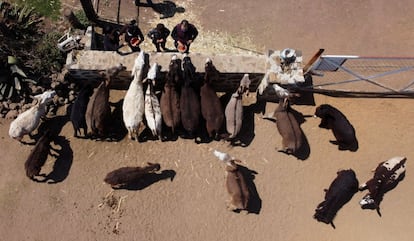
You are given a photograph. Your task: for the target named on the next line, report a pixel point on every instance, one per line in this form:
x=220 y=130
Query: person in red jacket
x=184 y=34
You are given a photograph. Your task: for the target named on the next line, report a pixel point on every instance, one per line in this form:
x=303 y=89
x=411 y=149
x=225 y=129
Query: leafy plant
x=47 y=8
x=21 y=39
x=15 y=83
x=81 y=16
x=49 y=59
x=19 y=30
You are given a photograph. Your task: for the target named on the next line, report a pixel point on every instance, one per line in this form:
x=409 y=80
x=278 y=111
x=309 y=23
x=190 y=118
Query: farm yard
x=187 y=200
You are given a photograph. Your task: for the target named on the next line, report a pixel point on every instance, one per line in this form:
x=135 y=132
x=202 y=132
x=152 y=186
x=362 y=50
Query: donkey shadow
x=118 y=130
x=304 y=151
x=64 y=155
x=255 y=202
x=246 y=135
x=63 y=162
x=148 y=179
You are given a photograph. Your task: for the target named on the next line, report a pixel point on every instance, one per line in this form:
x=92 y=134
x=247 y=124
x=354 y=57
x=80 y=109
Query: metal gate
x=362 y=76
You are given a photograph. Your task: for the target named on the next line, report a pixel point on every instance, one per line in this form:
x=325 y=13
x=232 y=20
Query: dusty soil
x=80 y=206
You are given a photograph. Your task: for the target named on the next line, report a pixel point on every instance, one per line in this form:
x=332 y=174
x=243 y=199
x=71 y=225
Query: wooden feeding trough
x=86 y=65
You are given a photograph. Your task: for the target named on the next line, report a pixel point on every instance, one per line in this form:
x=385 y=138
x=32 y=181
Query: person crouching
x=159 y=37
x=184 y=34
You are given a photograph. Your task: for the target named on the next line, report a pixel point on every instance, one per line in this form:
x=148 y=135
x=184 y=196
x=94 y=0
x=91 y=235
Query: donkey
x=98 y=112
x=234 y=108
x=341 y=190
x=77 y=114
x=152 y=105
x=170 y=100
x=235 y=183
x=288 y=127
x=189 y=99
x=386 y=177
x=211 y=108
x=133 y=106
x=29 y=120
x=344 y=132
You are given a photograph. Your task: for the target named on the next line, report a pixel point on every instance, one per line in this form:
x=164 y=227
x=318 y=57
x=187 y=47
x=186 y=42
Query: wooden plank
x=312 y=61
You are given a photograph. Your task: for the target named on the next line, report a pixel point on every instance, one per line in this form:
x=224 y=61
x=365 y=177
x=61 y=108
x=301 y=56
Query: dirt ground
x=191 y=206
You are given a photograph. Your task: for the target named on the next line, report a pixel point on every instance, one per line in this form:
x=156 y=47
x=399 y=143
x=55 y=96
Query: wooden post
x=89 y=10
x=312 y=61
x=137 y=1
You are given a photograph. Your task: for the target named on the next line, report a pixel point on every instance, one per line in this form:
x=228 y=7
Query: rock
x=56 y=99
x=55 y=85
x=36 y=90
x=5 y=104
x=61 y=101
x=14 y=106
x=71 y=98
x=72 y=86
x=12 y=114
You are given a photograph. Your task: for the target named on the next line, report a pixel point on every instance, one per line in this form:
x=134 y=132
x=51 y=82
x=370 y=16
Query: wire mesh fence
x=370 y=75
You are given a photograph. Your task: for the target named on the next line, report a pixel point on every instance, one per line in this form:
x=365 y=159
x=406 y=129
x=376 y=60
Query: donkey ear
x=102 y=73
x=285 y=103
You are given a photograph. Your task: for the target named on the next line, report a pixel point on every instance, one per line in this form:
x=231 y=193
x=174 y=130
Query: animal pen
x=334 y=75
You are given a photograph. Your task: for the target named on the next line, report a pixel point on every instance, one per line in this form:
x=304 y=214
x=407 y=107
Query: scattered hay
x=114 y=204
x=213 y=42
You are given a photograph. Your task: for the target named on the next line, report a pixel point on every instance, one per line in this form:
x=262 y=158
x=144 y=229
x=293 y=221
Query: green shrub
x=36 y=53
x=49 y=59
x=81 y=16
x=47 y=8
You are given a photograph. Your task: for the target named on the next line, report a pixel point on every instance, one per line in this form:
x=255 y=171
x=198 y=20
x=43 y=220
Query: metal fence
x=355 y=75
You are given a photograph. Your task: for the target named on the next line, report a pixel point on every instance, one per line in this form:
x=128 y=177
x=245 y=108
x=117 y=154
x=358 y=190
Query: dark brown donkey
x=170 y=100
x=98 y=112
x=211 y=108
x=189 y=99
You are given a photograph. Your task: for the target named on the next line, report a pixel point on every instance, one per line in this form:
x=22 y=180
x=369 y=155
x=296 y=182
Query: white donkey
x=29 y=120
x=133 y=106
x=152 y=104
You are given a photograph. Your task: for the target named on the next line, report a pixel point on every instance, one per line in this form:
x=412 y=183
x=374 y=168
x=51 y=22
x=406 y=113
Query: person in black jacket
x=133 y=35
x=184 y=34
x=159 y=37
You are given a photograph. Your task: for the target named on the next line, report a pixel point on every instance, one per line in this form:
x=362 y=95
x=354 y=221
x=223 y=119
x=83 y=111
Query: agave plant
x=19 y=30
x=21 y=39
x=19 y=25
x=14 y=83
x=18 y=34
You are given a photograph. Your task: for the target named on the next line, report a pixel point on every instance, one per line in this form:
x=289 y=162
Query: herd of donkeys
x=182 y=105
